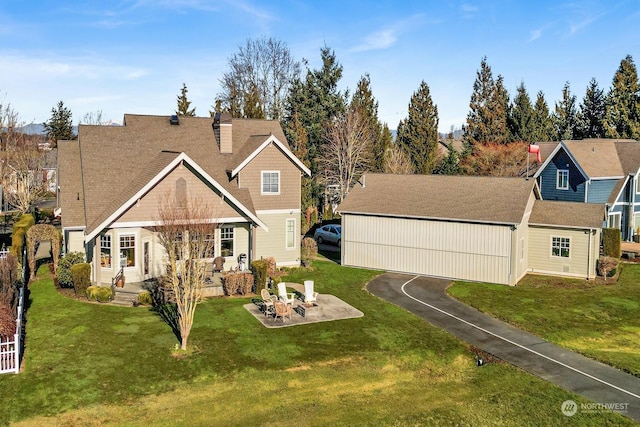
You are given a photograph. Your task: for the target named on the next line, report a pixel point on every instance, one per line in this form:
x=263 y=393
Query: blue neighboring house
x=596 y=171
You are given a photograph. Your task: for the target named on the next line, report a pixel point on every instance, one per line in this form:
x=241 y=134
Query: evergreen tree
x=418 y=133
x=450 y=164
x=591 y=112
x=500 y=108
x=541 y=124
x=60 y=125
x=622 y=117
x=565 y=116
x=487 y=118
x=314 y=103
x=184 y=105
x=367 y=107
x=521 y=116
x=252 y=107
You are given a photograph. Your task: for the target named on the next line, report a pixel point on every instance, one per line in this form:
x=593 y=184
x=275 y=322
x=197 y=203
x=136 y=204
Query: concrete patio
x=329 y=308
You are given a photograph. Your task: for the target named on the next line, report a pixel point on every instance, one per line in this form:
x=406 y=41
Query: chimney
x=222 y=131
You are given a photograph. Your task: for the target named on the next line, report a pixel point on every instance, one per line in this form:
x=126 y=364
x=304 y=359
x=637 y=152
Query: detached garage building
x=469 y=228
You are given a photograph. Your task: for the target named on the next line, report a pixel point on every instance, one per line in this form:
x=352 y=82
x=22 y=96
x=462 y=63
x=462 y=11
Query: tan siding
x=580 y=262
x=439 y=248
x=272 y=159
x=147 y=208
x=273 y=243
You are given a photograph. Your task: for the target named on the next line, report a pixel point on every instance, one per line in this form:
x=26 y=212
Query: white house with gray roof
x=470 y=228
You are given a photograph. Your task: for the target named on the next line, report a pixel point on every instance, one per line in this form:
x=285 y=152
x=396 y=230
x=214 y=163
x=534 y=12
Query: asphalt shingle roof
x=466 y=198
x=567 y=214
x=117 y=161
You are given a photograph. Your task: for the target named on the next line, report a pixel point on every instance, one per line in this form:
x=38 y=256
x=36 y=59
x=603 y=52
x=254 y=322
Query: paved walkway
x=427 y=298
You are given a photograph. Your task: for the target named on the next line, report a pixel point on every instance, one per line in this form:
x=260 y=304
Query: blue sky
x=133 y=56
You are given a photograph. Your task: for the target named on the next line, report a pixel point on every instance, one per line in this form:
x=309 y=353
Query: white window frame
x=561 y=243
x=290 y=239
x=637 y=178
x=120 y=247
x=224 y=236
x=615 y=223
x=564 y=185
x=104 y=239
x=262 y=176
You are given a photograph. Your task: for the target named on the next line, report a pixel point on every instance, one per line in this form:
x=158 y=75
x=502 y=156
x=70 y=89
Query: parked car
x=330 y=233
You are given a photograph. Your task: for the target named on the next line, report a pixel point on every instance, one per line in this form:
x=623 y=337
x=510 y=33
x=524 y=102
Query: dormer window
x=271 y=182
x=562 y=179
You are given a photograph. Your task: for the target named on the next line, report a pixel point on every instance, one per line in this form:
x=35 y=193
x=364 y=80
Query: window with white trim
x=562 y=179
x=127 y=250
x=226 y=241
x=560 y=246
x=615 y=220
x=638 y=184
x=291 y=233
x=271 y=182
x=105 y=250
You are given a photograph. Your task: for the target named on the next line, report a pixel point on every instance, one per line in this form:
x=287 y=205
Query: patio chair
x=218 y=264
x=309 y=294
x=289 y=298
x=282 y=310
x=267 y=302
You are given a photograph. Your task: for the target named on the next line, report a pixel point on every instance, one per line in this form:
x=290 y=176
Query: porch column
x=95 y=265
x=252 y=243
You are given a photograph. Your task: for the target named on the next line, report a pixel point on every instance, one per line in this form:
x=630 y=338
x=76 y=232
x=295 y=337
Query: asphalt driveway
x=426 y=297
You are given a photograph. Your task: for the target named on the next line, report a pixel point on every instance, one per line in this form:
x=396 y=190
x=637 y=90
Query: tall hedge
x=81 y=274
x=20 y=228
x=260 y=269
x=611 y=242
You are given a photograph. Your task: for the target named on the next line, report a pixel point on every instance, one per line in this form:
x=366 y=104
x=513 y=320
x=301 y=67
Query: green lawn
x=92 y=364
x=600 y=321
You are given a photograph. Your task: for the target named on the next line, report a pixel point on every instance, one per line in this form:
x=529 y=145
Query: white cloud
x=378 y=40
x=535 y=34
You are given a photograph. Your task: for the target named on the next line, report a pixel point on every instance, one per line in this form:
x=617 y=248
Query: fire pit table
x=309 y=310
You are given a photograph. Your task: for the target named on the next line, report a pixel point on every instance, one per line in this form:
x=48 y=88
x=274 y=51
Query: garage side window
x=560 y=247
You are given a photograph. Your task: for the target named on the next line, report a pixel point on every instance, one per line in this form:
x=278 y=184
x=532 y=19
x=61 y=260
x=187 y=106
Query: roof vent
x=174 y=120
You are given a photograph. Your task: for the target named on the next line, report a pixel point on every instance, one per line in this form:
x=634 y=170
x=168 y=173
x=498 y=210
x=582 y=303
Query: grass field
x=597 y=320
x=91 y=364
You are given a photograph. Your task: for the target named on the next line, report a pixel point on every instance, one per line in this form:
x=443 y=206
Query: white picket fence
x=10 y=349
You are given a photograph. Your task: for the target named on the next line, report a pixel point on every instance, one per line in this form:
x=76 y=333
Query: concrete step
x=124 y=298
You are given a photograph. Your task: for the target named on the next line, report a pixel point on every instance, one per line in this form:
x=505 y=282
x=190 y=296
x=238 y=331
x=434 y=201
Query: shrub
x=271 y=266
x=144 y=298
x=611 y=242
x=308 y=251
x=81 y=277
x=245 y=285
x=64 y=268
x=230 y=283
x=20 y=228
x=99 y=293
x=607 y=266
x=260 y=269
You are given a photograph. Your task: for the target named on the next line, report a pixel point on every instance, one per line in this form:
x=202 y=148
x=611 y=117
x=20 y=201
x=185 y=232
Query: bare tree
x=262 y=67
x=396 y=161
x=186 y=230
x=346 y=153
x=93 y=118
x=21 y=162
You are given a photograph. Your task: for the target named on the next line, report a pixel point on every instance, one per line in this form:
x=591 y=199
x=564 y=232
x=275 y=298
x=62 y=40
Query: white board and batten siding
x=467 y=251
x=582 y=252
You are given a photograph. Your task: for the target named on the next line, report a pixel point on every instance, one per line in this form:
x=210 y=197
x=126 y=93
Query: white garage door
x=456 y=250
